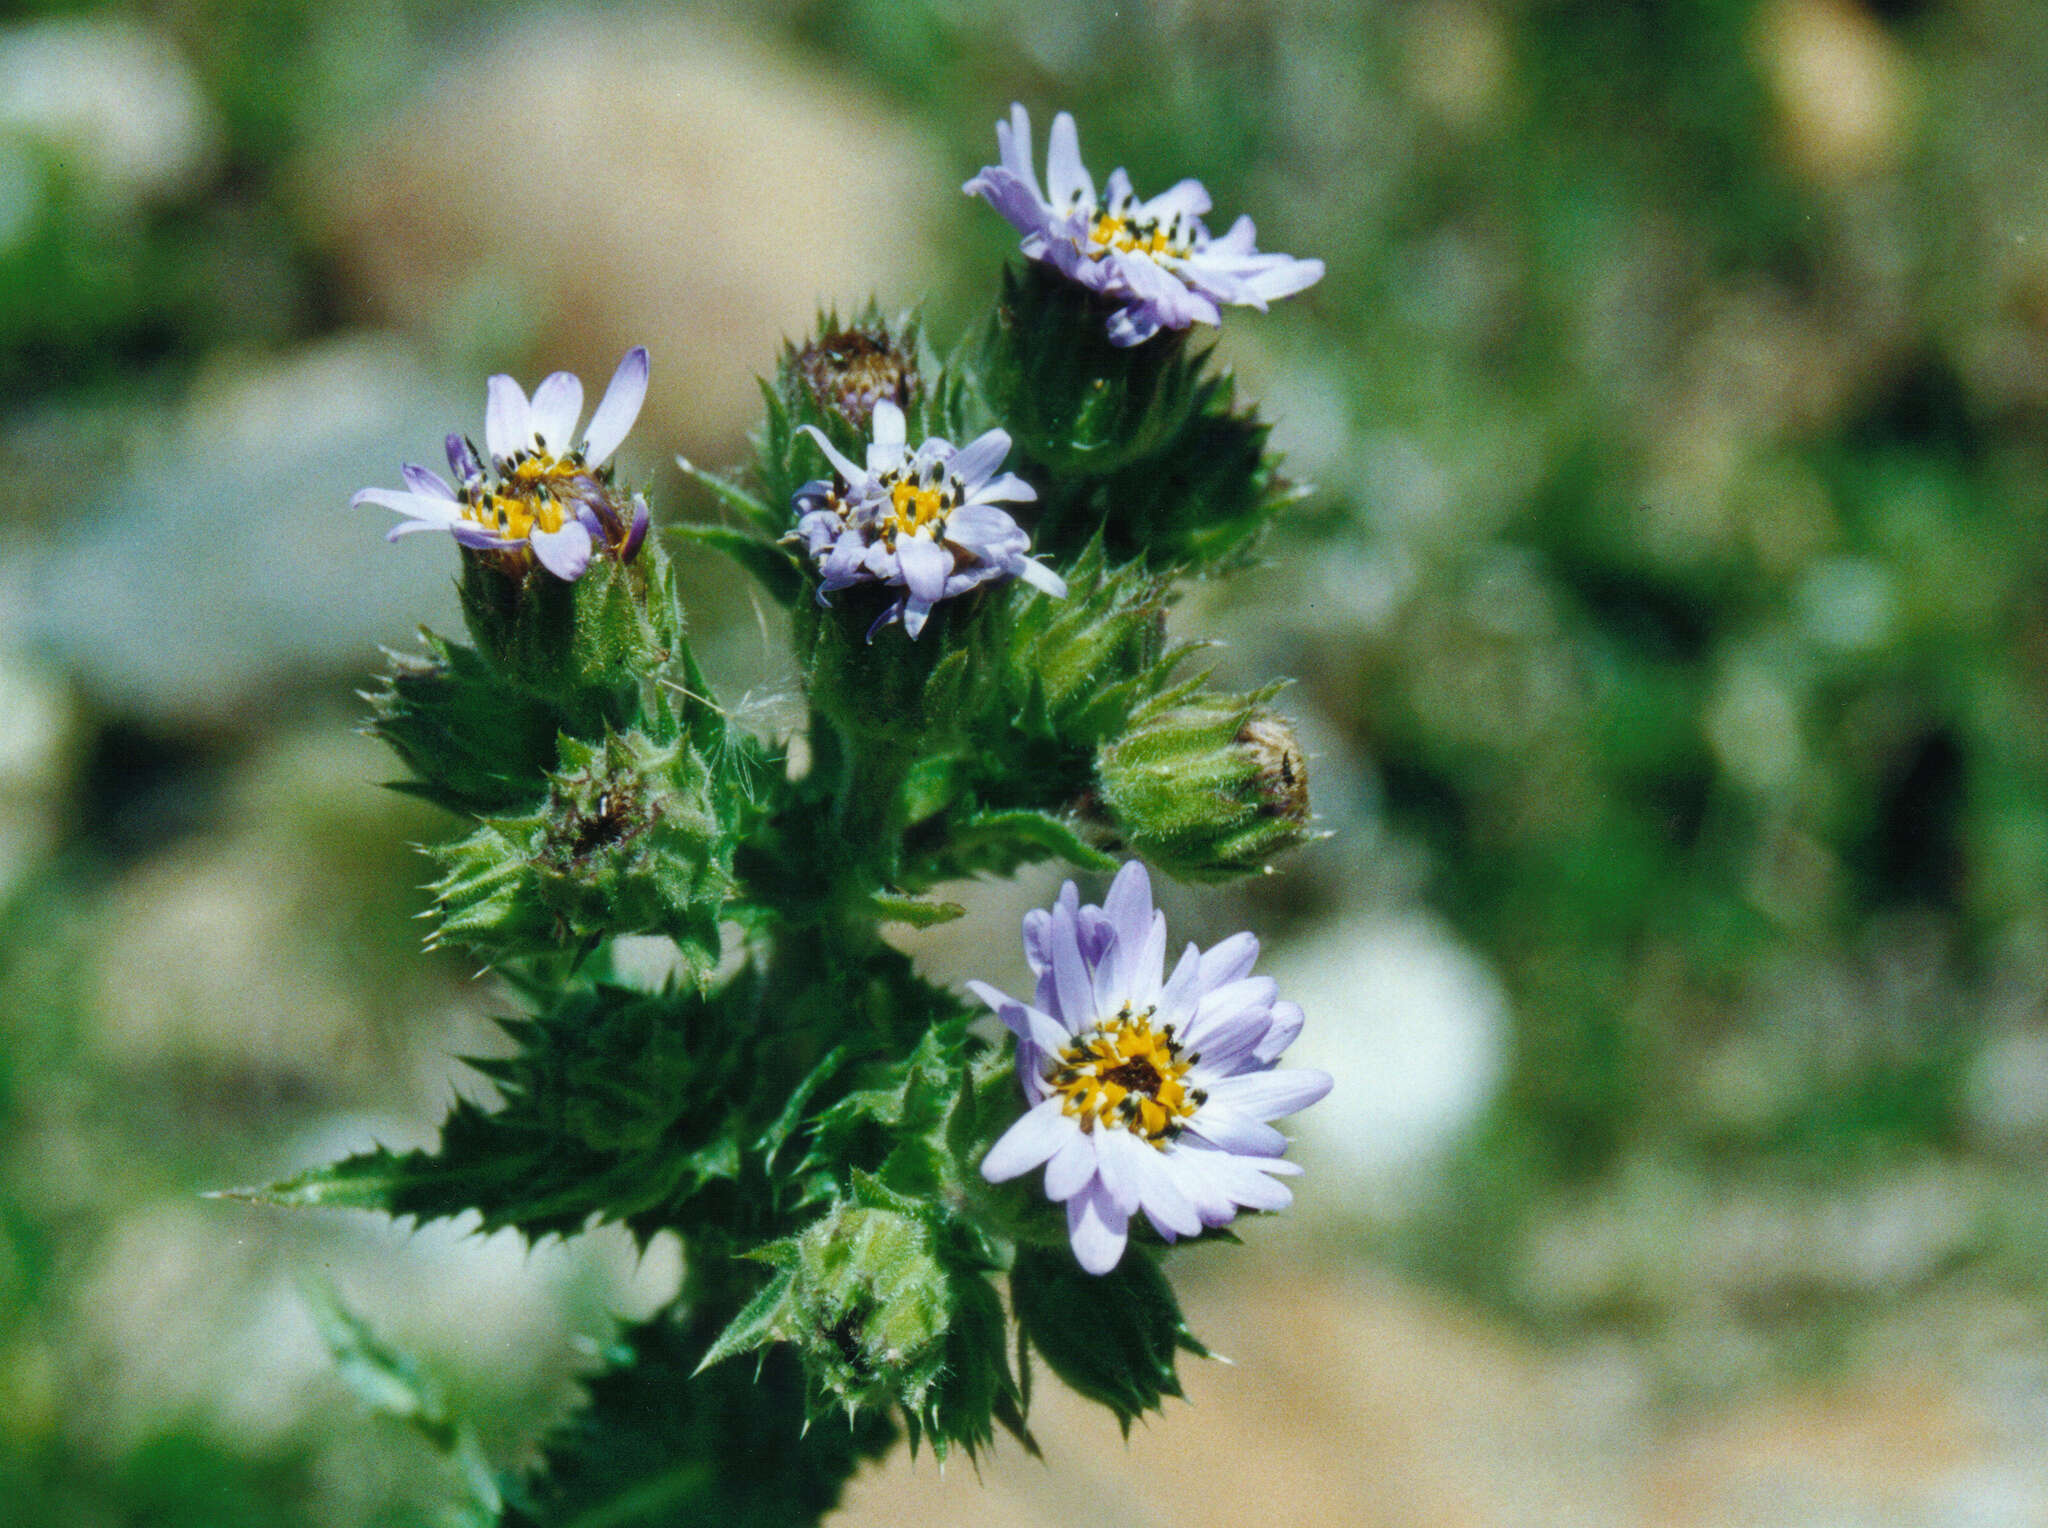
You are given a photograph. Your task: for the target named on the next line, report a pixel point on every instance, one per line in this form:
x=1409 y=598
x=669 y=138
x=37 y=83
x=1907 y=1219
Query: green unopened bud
x=627 y=841
x=586 y=646
x=1207 y=787
x=1113 y=1337
x=865 y=1301
x=477 y=744
x=1069 y=398
x=1078 y=667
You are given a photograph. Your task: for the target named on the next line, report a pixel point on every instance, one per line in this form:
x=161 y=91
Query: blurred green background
x=1671 y=623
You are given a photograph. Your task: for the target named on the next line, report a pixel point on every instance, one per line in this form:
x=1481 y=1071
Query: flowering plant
x=847 y=1150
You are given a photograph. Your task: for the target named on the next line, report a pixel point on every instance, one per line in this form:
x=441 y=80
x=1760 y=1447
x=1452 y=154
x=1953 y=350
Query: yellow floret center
x=527 y=497
x=1145 y=238
x=914 y=505
x=1125 y=1072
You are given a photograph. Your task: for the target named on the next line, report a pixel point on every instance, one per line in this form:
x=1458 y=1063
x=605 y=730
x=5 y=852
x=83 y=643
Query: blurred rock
x=634 y=181
x=112 y=96
x=1843 y=85
x=1415 y=1029
x=230 y=565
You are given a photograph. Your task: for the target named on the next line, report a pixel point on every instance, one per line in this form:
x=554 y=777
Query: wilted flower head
x=1155 y=258
x=1146 y=1094
x=542 y=491
x=923 y=521
x=851 y=370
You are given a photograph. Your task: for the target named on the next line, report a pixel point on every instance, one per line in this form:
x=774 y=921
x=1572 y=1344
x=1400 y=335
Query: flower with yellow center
x=1146 y=1093
x=925 y=521
x=543 y=493
x=1155 y=260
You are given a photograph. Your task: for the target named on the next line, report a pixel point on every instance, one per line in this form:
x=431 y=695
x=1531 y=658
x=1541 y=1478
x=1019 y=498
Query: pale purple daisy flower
x=543 y=491
x=1146 y=1094
x=923 y=521
x=1155 y=258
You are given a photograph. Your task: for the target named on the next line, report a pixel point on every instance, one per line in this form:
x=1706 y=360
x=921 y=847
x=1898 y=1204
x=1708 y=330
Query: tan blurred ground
x=1355 y=1400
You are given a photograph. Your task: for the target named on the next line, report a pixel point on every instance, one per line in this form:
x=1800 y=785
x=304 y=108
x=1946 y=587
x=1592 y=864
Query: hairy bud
x=627 y=841
x=1207 y=787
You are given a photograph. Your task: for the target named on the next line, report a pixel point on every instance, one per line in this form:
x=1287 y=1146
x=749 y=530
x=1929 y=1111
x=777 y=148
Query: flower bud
x=586 y=646
x=848 y=371
x=1206 y=786
x=627 y=841
x=1077 y=668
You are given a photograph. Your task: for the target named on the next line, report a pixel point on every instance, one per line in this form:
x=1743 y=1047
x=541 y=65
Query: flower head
x=851 y=370
x=1146 y=1094
x=923 y=521
x=1155 y=258
x=542 y=491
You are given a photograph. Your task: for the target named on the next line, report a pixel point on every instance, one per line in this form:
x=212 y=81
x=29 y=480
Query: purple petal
x=1165 y=1202
x=846 y=469
x=1039 y=576
x=1097 y=1229
x=925 y=565
x=425 y=481
x=1270 y=1095
x=1287 y=1022
x=1229 y=960
x=1129 y=905
x=618 y=409
x=1007 y=489
x=1013 y=143
x=428 y=507
x=508 y=418
x=981 y=456
x=1118 y=1157
x=479 y=539
x=1033 y=1139
x=637 y=531
x=1065 y=176
x=557 y=405
x=1228 y=1009
x=1233 y=1130
x=462 y=459
x=1071 y=1168
x=564 y=553
x=1070 y=973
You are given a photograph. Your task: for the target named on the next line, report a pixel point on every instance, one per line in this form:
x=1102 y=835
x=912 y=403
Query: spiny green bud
x=627 y=841
x=587 y=646
x=865 y=1300
x=1113 y=1337
x=1078 y=667
x=477 y=744
x=1205 y=786
x=1070 y=399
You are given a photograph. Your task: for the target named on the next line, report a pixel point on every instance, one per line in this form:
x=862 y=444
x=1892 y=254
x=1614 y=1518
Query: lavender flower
x=1156 y=258
x=923 y=521
x=539 y=493
x=1146 y=1095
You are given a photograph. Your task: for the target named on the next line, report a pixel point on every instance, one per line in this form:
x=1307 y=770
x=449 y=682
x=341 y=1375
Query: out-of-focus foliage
x=1678 y=397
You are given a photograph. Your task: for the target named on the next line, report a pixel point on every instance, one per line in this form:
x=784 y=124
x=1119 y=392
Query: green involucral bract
x=794 y=1102
x=627 y=840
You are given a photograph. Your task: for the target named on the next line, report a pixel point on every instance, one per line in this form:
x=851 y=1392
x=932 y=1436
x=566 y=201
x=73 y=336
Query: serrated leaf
x=755 y=1326
x=660 y=1443
x=917 y=912
x=773 y=566
x=1001 y=841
